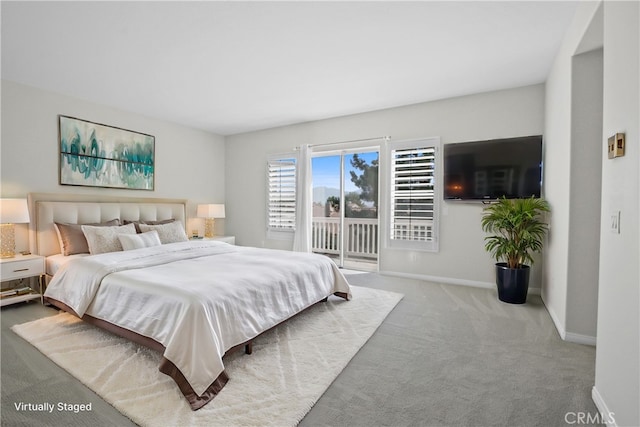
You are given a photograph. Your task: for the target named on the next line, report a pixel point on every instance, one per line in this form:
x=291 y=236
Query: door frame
x=342 y=152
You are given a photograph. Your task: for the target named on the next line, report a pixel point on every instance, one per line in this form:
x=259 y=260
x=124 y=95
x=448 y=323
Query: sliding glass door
x=345 y=208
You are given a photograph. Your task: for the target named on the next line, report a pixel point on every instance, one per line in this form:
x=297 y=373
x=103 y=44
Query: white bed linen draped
x=198 y=299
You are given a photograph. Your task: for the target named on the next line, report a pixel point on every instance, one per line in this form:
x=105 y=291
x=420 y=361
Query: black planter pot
x=513 y=283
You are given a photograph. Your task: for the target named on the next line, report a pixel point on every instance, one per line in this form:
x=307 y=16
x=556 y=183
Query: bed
x=194 y=301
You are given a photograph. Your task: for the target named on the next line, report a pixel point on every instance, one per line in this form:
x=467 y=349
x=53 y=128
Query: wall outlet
x=614 y=222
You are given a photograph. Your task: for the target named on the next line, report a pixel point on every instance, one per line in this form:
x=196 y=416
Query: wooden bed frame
x=50 y=208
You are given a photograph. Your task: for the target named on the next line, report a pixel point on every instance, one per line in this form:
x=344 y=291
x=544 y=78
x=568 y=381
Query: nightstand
x=21 y=267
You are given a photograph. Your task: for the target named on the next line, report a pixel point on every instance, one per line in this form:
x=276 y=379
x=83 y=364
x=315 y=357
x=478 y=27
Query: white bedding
x=54 y=262
x=198 y=299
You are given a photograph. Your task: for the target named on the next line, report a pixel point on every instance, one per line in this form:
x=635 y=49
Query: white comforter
x=198 y=299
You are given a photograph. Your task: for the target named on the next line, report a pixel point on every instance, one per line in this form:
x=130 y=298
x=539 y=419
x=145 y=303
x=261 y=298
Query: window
x=414 y=194
x=281 y=180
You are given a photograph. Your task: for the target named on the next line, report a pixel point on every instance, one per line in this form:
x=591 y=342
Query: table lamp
x=209 y=213
x=12 y=211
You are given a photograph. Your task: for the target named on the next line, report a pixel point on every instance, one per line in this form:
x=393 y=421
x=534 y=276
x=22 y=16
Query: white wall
x=584 y=197
x=189 y=163
x=506 y=113
x=617 y=385
x=558 y=167
x=618 y=349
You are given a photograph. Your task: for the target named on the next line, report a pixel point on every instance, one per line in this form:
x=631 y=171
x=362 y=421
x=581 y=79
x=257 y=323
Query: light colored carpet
x=278 y=384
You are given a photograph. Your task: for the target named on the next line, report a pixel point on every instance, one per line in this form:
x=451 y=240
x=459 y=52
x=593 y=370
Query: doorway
x=345 y=217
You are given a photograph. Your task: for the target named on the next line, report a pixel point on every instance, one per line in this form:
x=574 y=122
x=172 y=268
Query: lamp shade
x=14 y=211
x=210 y=211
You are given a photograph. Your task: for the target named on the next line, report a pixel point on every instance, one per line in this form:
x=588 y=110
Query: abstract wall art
x=97 y=155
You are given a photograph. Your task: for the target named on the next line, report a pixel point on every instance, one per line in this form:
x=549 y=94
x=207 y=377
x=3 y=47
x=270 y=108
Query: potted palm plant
x=517 y=232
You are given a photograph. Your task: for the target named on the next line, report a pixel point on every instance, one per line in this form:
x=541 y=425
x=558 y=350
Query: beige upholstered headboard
x=50 y=208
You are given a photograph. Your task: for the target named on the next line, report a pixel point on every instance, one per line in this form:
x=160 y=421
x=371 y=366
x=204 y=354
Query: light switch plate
x=614 y=222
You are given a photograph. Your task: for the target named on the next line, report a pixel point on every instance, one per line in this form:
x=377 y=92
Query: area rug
x=290 y=368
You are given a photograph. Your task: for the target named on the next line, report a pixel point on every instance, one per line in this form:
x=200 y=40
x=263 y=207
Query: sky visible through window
x=326 y=170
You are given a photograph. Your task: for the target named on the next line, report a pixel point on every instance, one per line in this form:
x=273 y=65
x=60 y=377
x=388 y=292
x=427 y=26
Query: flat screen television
x=487 y=170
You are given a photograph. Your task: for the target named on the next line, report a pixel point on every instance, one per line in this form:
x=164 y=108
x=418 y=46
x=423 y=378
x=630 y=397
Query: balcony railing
x=361 y=234
x=413 y=229
x=361 y=237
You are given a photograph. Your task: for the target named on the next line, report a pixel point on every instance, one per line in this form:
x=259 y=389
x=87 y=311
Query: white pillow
x=139 y=241
x=105 y=239
x=169 y=233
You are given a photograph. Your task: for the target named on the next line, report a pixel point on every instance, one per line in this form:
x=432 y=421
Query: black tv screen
x=486 y=170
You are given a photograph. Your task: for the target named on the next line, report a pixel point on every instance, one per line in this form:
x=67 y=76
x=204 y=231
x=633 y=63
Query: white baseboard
x=569 y=336
x=556 y=322
x=438 y=279
x=450 y=280
x=580 y=339
x=608 y=417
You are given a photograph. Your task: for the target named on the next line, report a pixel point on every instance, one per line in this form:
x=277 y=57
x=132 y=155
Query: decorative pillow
x=71 y=237
x=105 y=239
x=138 y=241
x=137 y=223
x=169 y=233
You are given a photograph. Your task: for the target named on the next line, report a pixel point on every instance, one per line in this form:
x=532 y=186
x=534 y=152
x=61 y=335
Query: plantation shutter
x=281 y=194
x=413 y=208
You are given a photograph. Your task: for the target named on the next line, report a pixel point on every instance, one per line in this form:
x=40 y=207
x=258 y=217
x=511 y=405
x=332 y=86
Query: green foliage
x=368 y=180
x=353 y=197
x=517 y=227
x=334 y=202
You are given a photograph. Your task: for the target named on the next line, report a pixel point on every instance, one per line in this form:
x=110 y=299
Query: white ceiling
x=231 y=67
